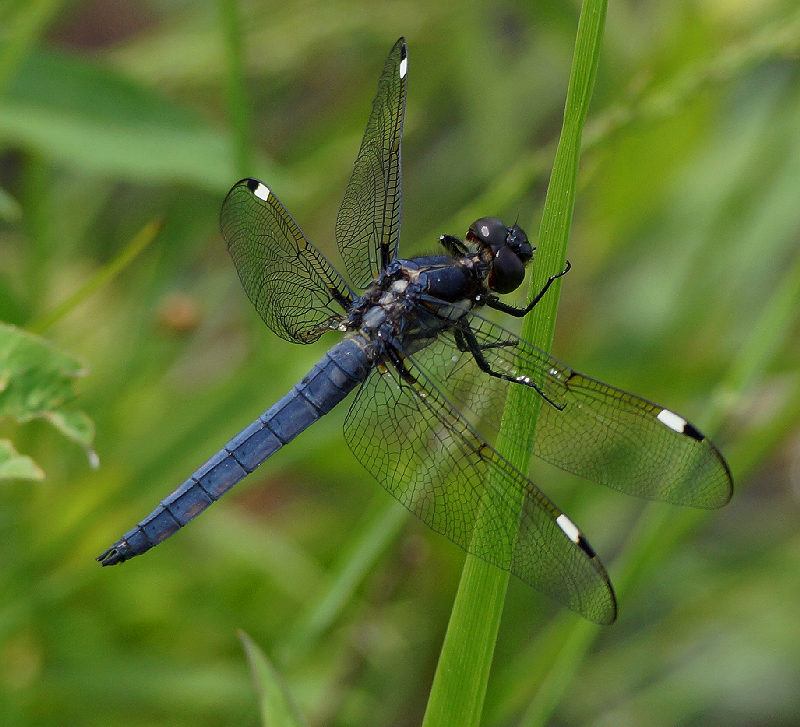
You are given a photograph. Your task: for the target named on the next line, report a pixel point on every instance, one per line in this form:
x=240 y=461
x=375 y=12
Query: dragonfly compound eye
x=508 y=271
x=490 y=231
x=510 y=252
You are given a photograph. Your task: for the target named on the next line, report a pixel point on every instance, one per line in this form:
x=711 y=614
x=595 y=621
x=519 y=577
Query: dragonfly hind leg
x=466 y=341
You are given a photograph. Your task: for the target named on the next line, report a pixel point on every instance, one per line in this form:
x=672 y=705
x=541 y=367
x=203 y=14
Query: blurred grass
x=686 y=226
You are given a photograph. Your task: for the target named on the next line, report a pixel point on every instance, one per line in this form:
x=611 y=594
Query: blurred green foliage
x=37 y=381
x=684 y=250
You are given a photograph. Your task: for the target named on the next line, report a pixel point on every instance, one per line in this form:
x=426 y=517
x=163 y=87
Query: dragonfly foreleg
x=493 y=302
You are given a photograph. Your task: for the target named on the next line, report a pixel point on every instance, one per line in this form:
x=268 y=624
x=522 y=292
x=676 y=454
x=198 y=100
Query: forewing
x=434 y=462
x=584 y=426
x=368 y=223
x=293 y=287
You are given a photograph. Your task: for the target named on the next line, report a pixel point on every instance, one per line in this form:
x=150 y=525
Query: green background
x=684 y=250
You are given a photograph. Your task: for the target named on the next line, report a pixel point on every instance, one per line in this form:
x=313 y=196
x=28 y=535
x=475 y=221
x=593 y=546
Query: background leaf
x=37 y=381
x=14 y=465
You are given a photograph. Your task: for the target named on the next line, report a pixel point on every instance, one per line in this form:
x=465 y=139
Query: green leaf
x=92 y=118
x=77 y=426
x=14 y=465
x=36 y=381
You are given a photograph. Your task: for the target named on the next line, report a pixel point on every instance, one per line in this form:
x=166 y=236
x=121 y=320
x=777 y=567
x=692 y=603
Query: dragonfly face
x=510 y=250
x=431 y=377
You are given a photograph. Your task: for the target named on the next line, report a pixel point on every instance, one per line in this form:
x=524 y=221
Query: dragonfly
x=431 y=373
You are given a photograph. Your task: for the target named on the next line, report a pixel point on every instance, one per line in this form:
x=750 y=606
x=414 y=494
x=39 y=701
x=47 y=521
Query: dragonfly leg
x=493 y=302
x=467 y=342
x=464 y=347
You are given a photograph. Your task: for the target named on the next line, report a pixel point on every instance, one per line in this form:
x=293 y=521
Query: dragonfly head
x=509 y=248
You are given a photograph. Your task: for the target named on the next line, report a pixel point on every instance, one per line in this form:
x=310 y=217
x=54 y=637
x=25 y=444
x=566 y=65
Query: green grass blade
x=325 y=607
x=139 y=242
x=276 y=704
x=462 y=674
x=238 y=107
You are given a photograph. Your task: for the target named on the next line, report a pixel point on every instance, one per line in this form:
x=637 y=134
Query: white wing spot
x=403 y=67
x=569 y=528
x=262 y=191
x=672 y=420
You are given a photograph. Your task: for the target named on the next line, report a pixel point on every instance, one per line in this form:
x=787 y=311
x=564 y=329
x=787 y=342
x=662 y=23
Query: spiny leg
x=493 y=302
x=467 y=342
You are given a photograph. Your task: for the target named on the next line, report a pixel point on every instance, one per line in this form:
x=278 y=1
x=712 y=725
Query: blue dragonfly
x=431 y=374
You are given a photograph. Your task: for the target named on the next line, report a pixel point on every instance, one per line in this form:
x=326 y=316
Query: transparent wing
x=368 y=223
x=585 y=427
x=293 y=287
x=404 y=431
